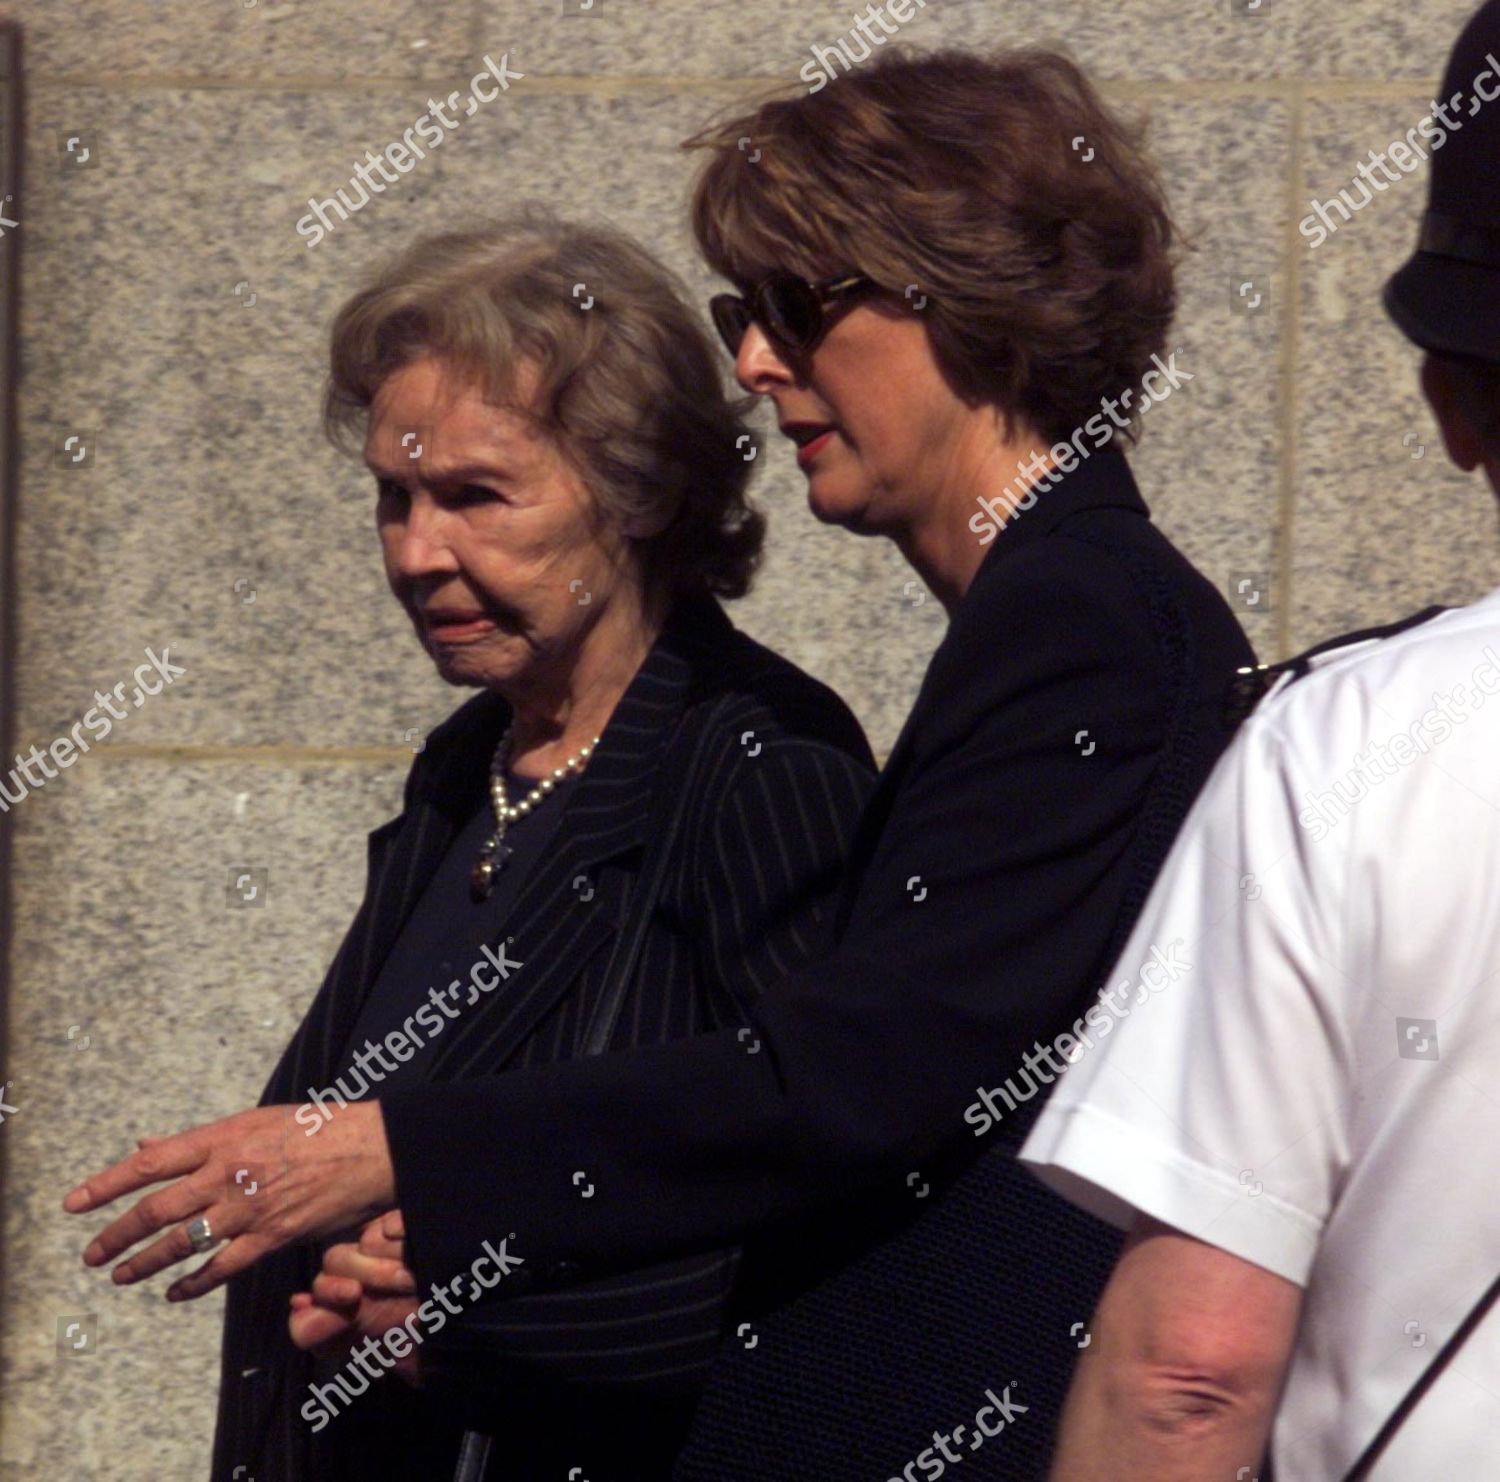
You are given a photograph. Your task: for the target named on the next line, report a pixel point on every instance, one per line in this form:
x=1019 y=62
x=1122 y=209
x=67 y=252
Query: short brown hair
x=1047 y=270
x=629 y=386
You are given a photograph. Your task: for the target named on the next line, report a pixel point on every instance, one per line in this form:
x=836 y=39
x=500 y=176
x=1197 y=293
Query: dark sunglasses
x=791 y=310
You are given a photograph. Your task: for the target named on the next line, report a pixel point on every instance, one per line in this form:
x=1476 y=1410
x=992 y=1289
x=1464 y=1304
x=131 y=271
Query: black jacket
x=785 y=771
x=1065 y=722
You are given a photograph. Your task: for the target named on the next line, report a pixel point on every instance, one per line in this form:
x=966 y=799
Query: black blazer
x=1063 y=725
x=747 y=899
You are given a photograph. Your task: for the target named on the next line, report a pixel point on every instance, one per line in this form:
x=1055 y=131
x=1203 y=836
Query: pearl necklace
x=494 y=852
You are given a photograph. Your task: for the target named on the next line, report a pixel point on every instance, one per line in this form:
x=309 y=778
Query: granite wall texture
x=174 y=319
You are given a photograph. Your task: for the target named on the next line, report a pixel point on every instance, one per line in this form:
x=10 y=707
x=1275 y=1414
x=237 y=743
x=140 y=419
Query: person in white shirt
x=1300 y=1123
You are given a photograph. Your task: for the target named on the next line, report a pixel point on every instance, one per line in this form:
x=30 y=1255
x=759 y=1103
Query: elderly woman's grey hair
x=628 y=383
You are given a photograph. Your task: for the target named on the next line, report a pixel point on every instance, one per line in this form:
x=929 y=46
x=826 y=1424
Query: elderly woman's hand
x=363 y=1291
x=259 y=1183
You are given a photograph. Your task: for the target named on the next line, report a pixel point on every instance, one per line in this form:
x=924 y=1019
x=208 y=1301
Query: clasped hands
x=363 y=1291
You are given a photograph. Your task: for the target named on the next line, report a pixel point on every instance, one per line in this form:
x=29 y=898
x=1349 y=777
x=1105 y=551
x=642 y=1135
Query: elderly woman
x=959 y=316
x=633 y=826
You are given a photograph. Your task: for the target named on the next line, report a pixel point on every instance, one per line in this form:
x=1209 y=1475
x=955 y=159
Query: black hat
x=1447 y=297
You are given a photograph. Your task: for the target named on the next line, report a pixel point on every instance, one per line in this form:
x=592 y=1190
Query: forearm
x=1180 y=1383
x=847 y=1079
x=1128 y=1423
x=624 y=1160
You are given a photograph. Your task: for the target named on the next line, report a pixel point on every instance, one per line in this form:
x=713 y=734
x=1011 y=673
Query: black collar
x=1100 y=481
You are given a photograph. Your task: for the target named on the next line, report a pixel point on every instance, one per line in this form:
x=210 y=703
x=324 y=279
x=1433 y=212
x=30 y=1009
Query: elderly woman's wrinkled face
x=892 y=432
x=491 y=542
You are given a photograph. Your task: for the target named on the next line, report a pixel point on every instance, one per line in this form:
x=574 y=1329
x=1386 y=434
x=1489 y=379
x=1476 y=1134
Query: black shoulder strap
x=1397 y=1418
x=1250 y=685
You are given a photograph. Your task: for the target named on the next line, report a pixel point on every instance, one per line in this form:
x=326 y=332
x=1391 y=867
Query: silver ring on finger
x=201 y=1235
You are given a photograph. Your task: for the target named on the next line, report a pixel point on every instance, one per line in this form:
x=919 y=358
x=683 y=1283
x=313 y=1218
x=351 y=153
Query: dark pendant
x=481 y=878
x=486 y=867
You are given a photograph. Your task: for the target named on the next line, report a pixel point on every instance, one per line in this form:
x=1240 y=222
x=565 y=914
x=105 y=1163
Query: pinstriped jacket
x=746 y=900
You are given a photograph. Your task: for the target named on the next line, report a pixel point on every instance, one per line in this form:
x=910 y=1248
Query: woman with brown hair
x=955 y=283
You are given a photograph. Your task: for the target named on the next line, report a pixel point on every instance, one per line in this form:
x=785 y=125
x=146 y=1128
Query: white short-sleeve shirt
x=1316 y=1086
